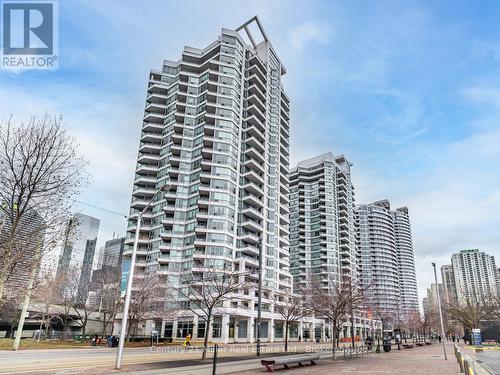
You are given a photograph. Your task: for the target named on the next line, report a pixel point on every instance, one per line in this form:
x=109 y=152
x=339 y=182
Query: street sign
x=476 y=336
x=124 y=279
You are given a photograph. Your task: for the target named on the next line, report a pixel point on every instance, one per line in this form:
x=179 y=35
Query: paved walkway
x=425 y=360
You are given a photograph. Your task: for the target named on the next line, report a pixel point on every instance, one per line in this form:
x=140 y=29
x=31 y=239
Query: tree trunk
x=104 y=325
x=286 y=337
x=2 y=285
x=84 y=328
x=205 y=340
x=334 y=341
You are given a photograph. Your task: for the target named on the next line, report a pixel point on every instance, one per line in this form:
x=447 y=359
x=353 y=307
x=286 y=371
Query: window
x=217 y=328
x=242 y=328
x=201 y=328
x=278 y=330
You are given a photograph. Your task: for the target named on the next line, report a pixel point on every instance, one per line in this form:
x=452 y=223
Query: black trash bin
x=387 y=345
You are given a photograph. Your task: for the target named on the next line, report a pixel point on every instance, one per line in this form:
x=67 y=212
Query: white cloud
x=309 y=32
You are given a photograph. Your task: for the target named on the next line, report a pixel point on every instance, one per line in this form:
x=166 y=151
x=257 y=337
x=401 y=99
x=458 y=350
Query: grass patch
x=6 y=344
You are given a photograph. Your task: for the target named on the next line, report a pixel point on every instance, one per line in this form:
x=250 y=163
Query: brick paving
x=425 y=360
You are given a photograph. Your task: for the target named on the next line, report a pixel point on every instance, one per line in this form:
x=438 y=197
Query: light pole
x=27 y=297
x=259 y=299
x=128 y=293
x=440 y=310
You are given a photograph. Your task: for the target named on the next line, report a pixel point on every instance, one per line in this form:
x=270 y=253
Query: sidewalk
x=425 y=360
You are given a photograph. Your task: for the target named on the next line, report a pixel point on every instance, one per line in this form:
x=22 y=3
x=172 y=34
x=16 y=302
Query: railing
x=350 y=351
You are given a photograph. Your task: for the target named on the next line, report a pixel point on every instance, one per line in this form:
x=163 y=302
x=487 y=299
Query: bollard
x=214 y=367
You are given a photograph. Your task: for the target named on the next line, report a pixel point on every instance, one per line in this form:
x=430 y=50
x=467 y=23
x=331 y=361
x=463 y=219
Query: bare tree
x=291 y=310
x=108 y=291
x=427 y=320
x=473 y=308
x=334 y=300
x=147 y=302
x=206 y=292
x=81 y=310
x=40 y=173
x=53 y=296
x=9 y=313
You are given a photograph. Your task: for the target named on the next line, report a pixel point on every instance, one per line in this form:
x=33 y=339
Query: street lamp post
x=259 y=299
x=128 y=293
x=440 y=310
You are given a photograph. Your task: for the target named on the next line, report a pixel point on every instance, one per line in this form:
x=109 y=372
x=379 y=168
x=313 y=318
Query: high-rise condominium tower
x=387 y=261
x=449 y=286
x=322 y=230
x=408 y=294
x=322 y=234
x=475 y=274
x=216 y=128
x=78 y=251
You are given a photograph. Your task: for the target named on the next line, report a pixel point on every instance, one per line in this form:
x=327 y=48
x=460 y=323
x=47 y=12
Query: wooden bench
x=407 y=346
x=419 y=344
x=287 y=360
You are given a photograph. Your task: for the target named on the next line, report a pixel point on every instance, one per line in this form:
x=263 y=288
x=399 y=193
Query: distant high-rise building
x=216 y=129
x=449 y=286
x=378 y=256
x=113 y=251
x=475 y=274
x=432 y=297
x=408 y=292
x=425 y=305
x=78 y=251
x=29 y=235
x=387 y=264
x=322 y=234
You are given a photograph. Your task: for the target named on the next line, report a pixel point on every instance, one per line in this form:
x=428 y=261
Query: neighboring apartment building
x=29 y=235
x=78 y=251
x=449 y=286
x=475 y=274
x=322 y=232
x=387 y=264
x=408 y=292
x=216 y=128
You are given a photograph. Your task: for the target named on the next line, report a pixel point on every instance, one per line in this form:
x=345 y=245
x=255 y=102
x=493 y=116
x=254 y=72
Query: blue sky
x=408 y=91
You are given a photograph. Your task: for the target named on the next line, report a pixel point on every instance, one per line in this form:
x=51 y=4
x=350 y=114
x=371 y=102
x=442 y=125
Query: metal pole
x=130 y=280
x=259 y=300
x=214 y=366
x=440 y=311
x=26 y=302
x=128 y=293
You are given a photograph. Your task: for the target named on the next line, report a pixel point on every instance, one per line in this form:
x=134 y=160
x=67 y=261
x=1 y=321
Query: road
x=57 y=360
x=491 y=358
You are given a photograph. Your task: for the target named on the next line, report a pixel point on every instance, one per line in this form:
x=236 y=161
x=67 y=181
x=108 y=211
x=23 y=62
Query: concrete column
x=250 y=329
x=195 y=327
x=225 y=328
x=174 y=329
x=162 y=329
x=271 y=330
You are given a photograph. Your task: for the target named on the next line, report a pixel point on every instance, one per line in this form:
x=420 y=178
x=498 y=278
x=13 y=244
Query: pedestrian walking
x=187 y=340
